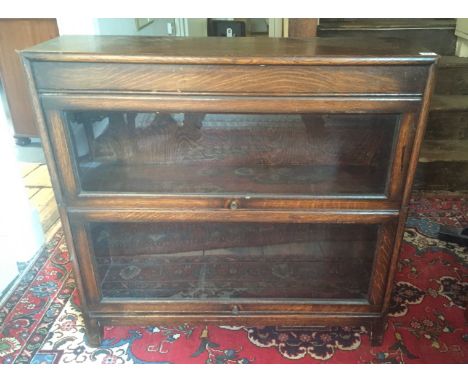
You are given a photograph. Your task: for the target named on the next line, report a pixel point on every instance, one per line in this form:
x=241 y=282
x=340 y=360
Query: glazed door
x=210 y=154
x=223 y=264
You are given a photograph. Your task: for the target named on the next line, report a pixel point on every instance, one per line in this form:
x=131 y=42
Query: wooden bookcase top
x=220 y=50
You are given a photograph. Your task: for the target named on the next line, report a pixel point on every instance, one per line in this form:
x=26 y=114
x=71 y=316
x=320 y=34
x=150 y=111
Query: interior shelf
x=233 y=260
x=218 y=178
x=189 y=153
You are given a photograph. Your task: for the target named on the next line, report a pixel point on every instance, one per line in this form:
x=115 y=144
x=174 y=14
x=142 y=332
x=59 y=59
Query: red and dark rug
x=41 y=321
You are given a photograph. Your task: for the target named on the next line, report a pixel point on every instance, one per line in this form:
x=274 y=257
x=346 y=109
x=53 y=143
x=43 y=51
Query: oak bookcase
x=248 y=181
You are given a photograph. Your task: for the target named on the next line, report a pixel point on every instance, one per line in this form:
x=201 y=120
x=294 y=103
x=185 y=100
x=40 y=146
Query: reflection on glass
x=186 y=153
x=233 y=260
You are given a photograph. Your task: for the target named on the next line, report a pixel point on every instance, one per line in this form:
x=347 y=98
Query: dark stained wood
x=452 y=76
x=232 y=103
x=435 y=35
x=302 y=28
x=341 y=249
x=94 y=331
x=448 y=150
x=377 y=331
x=237 y=215
x=219 y=50
x=396 y=23
x=347 y=182
x=315 y=180
x=419 y=136
x=260 y=202
x=449 y=103
x=160 y=78
x=442 y=175
x=16 y=34
x=378 y=284
x=444 y=152
x=246 y=307
x=438 y=41
x=87 y=263
x=60 y=144
x=401 y=154
x=444 y=140
x=413 y=161
x=447 y=125
x=282 y=319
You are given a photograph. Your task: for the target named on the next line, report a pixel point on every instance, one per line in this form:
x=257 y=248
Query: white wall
x=462 y=33
x=189 y=27
x=77 y=25
x=196 y=27
x=128 y=27
x=112 y=26
x=21 y=235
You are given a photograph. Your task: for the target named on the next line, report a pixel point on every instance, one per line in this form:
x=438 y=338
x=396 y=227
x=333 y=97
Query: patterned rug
x=41 y=321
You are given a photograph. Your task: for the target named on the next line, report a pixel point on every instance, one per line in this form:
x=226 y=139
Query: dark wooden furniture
x=436 y=34
x=236 y=181
x=302 y=28
x=16 y=34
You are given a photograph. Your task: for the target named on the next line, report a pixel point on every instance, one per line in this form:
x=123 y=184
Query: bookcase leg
x=94 y=333
x=377 y=331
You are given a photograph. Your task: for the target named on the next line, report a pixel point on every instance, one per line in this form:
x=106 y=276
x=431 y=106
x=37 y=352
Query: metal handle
x=234 y=205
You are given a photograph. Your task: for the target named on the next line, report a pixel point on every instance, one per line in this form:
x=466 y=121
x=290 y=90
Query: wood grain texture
x=44 y=134
x=452 y=77
x=390 y=23
x=401 y=155
x=302 y=28
x=447 y=150
x=279 y=154
x=241 y=103
x=286 y=319
x=251 y=76
x=252 y=79
x=248 y=307
x=41 y=196
x=292 y=216
x=420 y=129
x=259 y=202
x=48 y=150
x=86 y=263
x=442 y=176
x=419 y=135
x=44 y=201
x=219 y=50
x=457 y=102
x=39 y=177
x=27 y=168
x=382 y=261
x=16 y=34
x=60 y=133
x=61 y=147
x=426 y=35
x=447 y=125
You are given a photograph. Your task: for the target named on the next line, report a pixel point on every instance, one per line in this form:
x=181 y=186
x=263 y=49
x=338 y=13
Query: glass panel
x=233 y=260
x=197 y=153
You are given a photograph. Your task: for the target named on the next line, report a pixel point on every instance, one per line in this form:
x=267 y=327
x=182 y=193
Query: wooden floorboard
x=39 y=190
x=31 y=191
x=39 y=177
x=27 y=168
